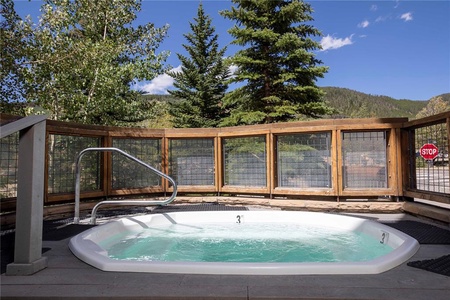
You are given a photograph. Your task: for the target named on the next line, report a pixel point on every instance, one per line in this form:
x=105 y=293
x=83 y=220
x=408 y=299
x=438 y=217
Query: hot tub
x=212 y=243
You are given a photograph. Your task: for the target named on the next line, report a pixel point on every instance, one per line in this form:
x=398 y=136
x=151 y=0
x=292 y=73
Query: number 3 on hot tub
x=383 y=236
x=238 y=217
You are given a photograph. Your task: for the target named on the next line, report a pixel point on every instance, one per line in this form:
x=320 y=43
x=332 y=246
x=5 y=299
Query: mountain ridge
x=353 y=104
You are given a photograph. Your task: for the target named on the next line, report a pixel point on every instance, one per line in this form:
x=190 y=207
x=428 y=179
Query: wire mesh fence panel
x=127 y=174
x=62 y=155
x=9 y=153
x=245 y=161
x=303 y=160
x=364 y=159
x=432 y=173
x=191 y=161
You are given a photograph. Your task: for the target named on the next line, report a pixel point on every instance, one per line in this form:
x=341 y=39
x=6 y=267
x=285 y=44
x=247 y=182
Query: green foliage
x=159 y=98
x=79 y=61
x=353 y=104
x=348 y=103
x=201 y=82
x=12 y=54
x=278 y=65
x=158 y=115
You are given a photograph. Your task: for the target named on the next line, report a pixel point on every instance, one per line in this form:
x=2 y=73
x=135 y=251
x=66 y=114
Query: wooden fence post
x=30 y=196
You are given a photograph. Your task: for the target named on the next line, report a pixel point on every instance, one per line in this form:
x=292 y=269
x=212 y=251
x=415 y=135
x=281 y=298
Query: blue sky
x=393 y=48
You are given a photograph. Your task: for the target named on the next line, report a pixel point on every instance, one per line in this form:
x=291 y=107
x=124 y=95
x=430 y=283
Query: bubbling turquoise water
x=245 y=242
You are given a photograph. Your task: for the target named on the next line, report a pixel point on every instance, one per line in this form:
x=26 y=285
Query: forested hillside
x=354 y=104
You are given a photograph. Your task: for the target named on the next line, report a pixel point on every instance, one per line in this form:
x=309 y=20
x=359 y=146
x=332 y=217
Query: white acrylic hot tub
x=87 y=245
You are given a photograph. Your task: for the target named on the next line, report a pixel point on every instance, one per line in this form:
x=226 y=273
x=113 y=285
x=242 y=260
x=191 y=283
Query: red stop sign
x=429 y=151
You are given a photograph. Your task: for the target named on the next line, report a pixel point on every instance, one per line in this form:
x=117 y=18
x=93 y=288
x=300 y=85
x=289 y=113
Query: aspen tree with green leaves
x=201 y=83
x=12 y=48
x=79 y=60
x=277 y=66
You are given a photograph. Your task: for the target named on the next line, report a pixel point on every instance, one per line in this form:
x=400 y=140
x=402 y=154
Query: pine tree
x=201 y=83
x=278 y=66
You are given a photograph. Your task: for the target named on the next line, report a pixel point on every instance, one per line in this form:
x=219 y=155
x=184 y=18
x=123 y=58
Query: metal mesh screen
x=191 y=161
x=432 y=175
x=245 y=161
x=127 y=174
x=364 y=159
x=62 y=155
x=9 y=150
x=303 y=160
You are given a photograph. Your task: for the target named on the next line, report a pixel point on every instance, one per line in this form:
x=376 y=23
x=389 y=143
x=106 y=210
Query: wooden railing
x=427 y=180
x=321 y=159
x=29 y=201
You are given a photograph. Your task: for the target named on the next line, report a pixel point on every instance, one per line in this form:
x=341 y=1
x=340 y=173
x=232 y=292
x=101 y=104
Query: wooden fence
x=322 y=159
x=426 y=179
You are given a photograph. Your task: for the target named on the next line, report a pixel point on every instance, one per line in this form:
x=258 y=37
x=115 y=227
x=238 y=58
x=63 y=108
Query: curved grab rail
x=76 y=218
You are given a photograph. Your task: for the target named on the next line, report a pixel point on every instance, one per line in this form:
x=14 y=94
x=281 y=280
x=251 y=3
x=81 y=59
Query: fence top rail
x=20 y=124
x=431 y=120
x=7 y=118
x=59 y=127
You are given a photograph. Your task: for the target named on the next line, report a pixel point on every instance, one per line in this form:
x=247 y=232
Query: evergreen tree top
x=277 y=65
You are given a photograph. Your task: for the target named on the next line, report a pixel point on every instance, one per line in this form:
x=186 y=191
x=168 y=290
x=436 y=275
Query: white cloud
x=407 y=16
x=364 y=24
x=384 y=18
x=160 y=84
x=374 y=7
x=232 y=69
x=328 y=42
x=163 y=82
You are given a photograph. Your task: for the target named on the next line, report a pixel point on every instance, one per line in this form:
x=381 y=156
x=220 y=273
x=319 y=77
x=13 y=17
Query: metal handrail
x=76 y=218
